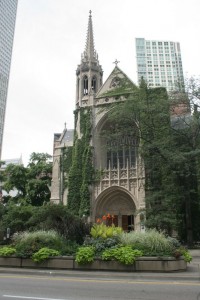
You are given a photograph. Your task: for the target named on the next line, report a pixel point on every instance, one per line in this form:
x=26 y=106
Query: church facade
x=118 y=190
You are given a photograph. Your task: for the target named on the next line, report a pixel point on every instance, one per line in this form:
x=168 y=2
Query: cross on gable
x=116 y=62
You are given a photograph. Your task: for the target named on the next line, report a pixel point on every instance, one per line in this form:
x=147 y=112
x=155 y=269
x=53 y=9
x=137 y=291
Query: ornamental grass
x=151 y=242
x=27 y=243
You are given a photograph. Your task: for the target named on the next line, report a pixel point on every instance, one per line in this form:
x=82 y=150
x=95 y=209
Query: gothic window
x=85 y=85
x=94 y=84
x=115 y=82
x=122 y=152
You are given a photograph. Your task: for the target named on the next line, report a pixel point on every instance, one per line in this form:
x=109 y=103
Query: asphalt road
x=37 y=284
x=19 y=286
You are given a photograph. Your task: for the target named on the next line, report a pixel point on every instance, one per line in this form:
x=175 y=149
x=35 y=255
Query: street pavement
x=191 y=274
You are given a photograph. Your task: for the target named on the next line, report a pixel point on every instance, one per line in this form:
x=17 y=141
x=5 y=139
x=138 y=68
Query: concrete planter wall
x=151 y=264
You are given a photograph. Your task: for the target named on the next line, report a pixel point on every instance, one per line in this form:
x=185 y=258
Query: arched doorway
x=117 y=202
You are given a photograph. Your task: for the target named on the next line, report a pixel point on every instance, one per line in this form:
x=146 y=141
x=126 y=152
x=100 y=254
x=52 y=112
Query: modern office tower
x=8 y=9
x=159 y=63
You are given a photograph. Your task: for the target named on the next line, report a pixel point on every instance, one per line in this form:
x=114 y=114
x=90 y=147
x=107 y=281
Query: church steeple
x=89 y=72
x=89 y=48
x=89 y=55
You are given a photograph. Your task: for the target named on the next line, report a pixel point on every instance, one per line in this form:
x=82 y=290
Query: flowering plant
x=105 y=219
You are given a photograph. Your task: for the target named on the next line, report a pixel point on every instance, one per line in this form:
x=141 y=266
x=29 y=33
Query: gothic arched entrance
x=117 y=202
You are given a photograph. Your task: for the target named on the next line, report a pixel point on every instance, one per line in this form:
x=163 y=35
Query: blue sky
x=49 y=39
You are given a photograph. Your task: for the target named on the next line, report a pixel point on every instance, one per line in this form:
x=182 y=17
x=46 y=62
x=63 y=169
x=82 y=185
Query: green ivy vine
x=81 y=171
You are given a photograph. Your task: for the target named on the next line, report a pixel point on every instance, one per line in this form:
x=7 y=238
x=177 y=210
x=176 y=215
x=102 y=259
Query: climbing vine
x=81 y=171
x=66 y=163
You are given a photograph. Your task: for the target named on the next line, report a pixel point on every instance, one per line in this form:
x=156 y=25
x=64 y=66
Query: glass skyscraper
x=8 y=9
x=159 y=63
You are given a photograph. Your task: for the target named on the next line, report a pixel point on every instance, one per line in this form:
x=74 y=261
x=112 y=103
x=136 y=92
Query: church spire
x=89 y=73
x=89 y=48
x=89 y=55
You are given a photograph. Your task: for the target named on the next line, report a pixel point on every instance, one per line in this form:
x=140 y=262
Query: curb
x=191 y=274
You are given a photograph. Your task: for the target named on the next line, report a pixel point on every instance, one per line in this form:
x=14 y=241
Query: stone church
x=119 y=190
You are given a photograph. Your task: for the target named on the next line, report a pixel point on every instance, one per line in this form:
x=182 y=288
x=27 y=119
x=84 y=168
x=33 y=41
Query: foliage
x=174 y=242
x=17 y=217
x=27 y=243
x=103 y=231
x=100 y=244
x=38 y=191
x=66 y=162
x=150 y=242
x=181 y=251
x=44 y=254
x=169 y=144
x=75 y=178
x=85 y=255
x=2 y=213
x=70 y=248
x=31 y=182
x=123 y=254
x=7 y=251
x=59 y=218
x=187 y=256
x=81 y=171
x=49 y=217
x=39 y=178
x=15 y=178
x=106 y=219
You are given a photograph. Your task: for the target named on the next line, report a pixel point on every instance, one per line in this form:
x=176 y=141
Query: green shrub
x=103 y=231
x=16 y=217
x=123 y=254
x=85 y=255
x=44 y=253
x=7 y=251
x=69 y=248
x=186 y=254
x=151 y=242
x=174 y=242
x=101 y=244
x=27 y=243
x=58 y=217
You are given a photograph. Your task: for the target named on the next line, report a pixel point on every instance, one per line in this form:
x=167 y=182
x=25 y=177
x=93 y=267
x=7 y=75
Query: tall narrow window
x=121 y=151
x=94 y=84
x=85 y=85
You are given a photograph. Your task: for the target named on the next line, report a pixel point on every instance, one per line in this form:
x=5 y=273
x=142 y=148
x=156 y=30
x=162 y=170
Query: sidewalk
x=191 y=274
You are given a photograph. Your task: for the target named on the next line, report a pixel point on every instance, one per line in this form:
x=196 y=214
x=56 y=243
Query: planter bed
x=145 y=264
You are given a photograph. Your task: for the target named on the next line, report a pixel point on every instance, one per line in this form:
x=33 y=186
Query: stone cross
x=116 y=62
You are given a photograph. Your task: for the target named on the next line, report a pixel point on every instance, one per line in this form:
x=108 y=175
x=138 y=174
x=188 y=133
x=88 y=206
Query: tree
x=48 y=217
x=58 y=217
x=169 y=146
x=15 y=177
x=39 y=178
x=16 y=217
x=31 y=182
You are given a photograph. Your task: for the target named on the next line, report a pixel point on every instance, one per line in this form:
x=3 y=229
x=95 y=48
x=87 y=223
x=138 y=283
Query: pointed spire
x=90 y=53
x=89 y=58
x=89 y=48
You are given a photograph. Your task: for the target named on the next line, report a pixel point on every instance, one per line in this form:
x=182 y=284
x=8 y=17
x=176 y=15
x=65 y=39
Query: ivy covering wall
x=81 y=171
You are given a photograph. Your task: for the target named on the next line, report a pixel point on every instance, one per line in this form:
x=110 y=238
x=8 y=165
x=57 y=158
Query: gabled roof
x=117 y=83
x=64 y=139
